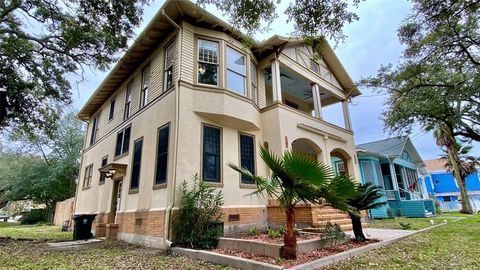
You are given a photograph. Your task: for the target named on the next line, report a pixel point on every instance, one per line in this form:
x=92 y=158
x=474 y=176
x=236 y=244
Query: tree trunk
x=357 y=227
x=466 y=207
x=289 y=250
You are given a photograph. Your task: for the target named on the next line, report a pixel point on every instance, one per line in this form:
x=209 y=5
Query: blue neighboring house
x=395 y=165
x=441 y=183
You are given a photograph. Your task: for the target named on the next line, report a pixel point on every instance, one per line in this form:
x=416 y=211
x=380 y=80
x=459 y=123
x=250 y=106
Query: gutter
x=168 y=210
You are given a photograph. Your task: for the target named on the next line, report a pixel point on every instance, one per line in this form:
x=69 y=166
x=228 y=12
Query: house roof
x=435 y=165
x=162 y=25
x=392 y=148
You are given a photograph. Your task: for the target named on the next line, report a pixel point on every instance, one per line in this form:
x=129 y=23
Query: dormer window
x=236 y=71
x=207 y=62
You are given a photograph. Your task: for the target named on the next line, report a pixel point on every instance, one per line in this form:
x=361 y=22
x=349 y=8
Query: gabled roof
x=392 y=148
x=161 y=25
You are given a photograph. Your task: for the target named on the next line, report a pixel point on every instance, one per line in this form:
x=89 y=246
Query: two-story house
x=188 y=97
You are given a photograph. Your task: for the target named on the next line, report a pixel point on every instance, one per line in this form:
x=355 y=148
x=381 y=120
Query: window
x=211 y=154
x=368 y=171
x=162 y=155
x=145 y=84
x=254 y=83
x=247 y=156
x=112 y=110
x=137 y=161
x=169 y=60
x=340 y=168
x=128 y=101
x=87 y=177
x=314 y=66
x=93 y=135
x=378 y=170
x=102 y=176
x=123 y=141
x=207 y=62
x=235 y=71
x=447 y=199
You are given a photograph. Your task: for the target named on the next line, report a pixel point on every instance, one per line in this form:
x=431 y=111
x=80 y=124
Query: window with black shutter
x=137 y=161
x=102 y=176
x=247 y=156
x=162 y=155
x=211 y=154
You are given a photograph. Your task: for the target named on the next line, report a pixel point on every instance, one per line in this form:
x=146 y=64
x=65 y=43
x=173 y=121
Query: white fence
x=456 y=205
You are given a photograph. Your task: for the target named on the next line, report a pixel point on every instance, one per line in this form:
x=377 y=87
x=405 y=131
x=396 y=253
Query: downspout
x=168 y=210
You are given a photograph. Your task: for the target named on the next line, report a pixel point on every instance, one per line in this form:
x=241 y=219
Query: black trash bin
x=82 y=229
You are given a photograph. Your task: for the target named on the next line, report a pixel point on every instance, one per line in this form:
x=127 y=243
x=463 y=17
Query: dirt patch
x=301 y=259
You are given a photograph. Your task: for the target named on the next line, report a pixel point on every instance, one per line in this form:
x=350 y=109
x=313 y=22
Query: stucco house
x=441 y=184
x=395 y=165
x=187 y=97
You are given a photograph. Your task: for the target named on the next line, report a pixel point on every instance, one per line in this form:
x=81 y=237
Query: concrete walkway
x=383 y=234
x=72 y=244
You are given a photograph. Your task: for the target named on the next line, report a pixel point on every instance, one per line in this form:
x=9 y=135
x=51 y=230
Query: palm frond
x=303 y=167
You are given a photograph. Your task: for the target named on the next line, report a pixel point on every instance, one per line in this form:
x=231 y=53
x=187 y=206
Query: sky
x=371 y=42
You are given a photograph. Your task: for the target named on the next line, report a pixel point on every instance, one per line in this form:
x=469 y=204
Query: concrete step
x=332 y=216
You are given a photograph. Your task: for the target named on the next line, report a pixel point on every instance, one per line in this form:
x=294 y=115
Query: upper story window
x=87 y=177
x=112 y=110
x=123 y=141
x=169 y=60
x=254 y=82
x=207 y=62
x=145 y=85
x=93 y=135
x=128 y=101
x=236 y=71
x=101 y=181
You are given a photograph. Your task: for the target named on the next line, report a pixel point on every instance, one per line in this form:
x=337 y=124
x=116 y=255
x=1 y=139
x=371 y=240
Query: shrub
x=390 y=213
x=282 y=229
x=272 y=233
x=35 y=216
x=405 y=226
x=333 y=231
x=197 y=224
x=398 y=212
x=253 y=231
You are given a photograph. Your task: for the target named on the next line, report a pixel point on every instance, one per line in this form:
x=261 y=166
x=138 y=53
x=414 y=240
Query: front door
x=116 y=200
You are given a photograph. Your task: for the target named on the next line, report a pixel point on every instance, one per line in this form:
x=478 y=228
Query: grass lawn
x=26 y=248
x=415 y=223
x=453 y=246
x=38 y=231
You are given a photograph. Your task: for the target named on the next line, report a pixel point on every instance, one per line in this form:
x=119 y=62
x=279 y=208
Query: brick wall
x=150 y=223
x=303 y=215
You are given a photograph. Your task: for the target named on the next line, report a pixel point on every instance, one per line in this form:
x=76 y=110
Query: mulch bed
x=262 y=237
x=301 y=259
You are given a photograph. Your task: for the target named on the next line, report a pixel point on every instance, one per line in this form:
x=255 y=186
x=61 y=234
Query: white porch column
x=276 y=84
x=317 y=104
x=346 y=115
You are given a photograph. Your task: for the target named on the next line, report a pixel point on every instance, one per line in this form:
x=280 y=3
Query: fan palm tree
x=457 y=161
x=297 y=178
x=367 y=197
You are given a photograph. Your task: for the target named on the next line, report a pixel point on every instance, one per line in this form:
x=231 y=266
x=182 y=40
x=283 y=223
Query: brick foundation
x=148 y=223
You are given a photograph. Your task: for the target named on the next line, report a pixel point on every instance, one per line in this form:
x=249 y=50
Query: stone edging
x=246 y=264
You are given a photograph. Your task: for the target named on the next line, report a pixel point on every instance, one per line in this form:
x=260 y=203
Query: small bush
x=333 y=231
x=282 y=229
x=390 y=213
x=198 y=224
x=398 y=212
x=272 y=233
x=253 y=231
x=35 y=216
x=405 y=226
